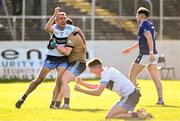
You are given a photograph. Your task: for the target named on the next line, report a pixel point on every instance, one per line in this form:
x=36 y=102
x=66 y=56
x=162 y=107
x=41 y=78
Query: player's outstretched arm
x=94 y=92
x=79 y=81
x=129 y=49
x=48 y=27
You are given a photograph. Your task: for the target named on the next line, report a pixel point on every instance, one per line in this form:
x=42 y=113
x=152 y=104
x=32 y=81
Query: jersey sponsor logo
x=59 y=40
x=62 y=41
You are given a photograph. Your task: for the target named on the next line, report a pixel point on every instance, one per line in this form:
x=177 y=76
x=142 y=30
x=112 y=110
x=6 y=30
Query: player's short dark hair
x=69 y=21
x=94 y=62
x=62 y=13
x=144 y=11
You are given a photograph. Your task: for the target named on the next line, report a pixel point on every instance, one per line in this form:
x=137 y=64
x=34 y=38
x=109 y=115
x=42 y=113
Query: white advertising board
x=23 y=60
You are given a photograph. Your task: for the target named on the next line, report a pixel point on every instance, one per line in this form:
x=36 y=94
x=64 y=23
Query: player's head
x=69 y=21
x=95 y=66
x=61 y=19
x=142 y=13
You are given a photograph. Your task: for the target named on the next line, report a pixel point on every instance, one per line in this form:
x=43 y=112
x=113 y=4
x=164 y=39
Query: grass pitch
x=83 y=107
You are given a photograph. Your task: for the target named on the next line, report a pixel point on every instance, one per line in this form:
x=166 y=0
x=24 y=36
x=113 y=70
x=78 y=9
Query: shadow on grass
x=89 y=110
x=4 y=81
x=159 y=106
x=27 y=80
x=135 y=119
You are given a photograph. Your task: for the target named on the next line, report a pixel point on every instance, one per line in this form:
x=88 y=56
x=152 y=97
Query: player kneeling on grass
x=112 y=79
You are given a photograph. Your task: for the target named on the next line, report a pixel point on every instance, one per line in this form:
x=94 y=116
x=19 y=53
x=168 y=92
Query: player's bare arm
x=95 y=92
x=126 y=51
x=64 y=50
x=79 y=81
x=82 y=36
x=48 y=27
x=148 y=36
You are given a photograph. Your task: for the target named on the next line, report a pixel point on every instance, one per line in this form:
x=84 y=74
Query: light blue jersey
x=61 y=37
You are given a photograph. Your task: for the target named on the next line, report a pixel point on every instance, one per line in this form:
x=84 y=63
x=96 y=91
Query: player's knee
x=40 y=78
x=58 y=84
x=64 y=80
x=38 y=81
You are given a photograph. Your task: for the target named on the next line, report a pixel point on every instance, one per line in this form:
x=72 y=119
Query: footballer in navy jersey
x=145 y=26
x=148 y=55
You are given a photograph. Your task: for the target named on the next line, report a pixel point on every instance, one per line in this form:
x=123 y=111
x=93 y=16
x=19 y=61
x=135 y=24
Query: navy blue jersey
x=143 y=45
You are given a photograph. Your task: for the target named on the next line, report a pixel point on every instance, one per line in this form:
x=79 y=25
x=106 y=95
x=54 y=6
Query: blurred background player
x=148 y=55
x=113 y=80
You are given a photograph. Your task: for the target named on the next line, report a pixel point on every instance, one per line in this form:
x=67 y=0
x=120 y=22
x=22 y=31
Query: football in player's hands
x=52 y=44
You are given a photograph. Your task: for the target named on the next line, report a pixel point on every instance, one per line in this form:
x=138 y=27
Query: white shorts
x=144 y=60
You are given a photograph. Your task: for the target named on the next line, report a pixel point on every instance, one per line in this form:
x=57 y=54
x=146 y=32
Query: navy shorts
x=129 y=102
x=52 y=62
x=77 y=67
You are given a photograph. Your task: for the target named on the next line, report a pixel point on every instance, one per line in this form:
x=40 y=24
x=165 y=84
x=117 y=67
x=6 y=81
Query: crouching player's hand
x=78 y=80
x=77 y=88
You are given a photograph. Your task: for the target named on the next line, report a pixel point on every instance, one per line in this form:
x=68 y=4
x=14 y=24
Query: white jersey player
x=54 y=60
x=114 y=80
x=60 y=38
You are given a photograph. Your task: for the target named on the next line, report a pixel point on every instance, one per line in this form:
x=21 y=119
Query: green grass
x=83 y=107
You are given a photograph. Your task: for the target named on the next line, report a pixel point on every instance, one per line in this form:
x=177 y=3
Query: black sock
x=52 y=103
x=135 y=115
x=58 y=104
x=24 y=97
x=66 y=101
x=160 y=99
